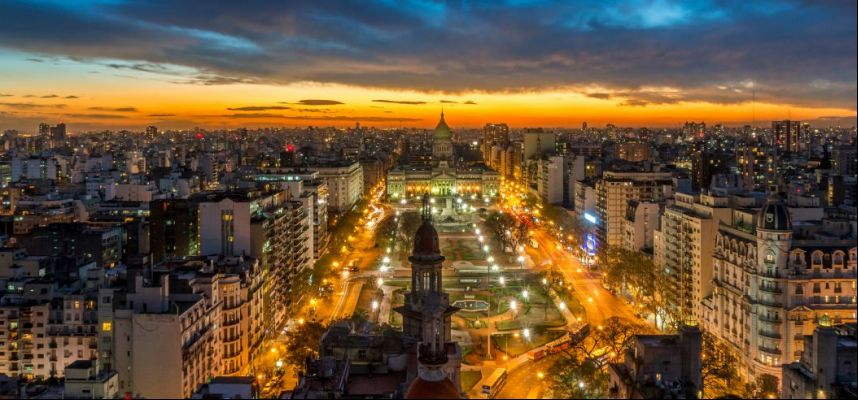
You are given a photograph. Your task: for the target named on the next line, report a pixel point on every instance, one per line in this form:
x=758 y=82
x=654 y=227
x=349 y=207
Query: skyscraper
x=58 y=133
x=787 y=137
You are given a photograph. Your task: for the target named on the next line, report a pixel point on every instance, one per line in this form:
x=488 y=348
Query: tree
x=386 y=229
x=609 y=341
x=303 y=342
x=719 y=370
x=616 y=335
x=576 y=377
x=408 y=224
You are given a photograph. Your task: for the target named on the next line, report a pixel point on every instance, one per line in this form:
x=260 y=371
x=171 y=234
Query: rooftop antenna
x=753 y=106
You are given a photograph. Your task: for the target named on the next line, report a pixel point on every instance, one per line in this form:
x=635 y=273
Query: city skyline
x=126 y=65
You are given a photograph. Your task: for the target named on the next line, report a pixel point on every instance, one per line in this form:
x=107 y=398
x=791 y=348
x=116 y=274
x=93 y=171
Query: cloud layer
x=640 y=52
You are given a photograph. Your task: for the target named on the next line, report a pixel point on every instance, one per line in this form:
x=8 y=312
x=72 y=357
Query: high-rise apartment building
x=538 y=143
x=788 y=137
x=345 y=184
x=687 y=236
x=614 y=191
x=494 y=135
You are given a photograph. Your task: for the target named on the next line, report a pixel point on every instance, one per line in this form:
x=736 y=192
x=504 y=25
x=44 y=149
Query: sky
x=117 y=64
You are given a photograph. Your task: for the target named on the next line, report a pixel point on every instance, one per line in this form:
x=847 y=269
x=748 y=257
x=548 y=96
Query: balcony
x=769 y=334
x=770 y=350
x=770 y=320
x=770 y=303
x=770 y=289
x=769 y=274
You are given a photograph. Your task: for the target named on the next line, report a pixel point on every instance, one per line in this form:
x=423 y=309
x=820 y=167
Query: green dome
x=442 y=131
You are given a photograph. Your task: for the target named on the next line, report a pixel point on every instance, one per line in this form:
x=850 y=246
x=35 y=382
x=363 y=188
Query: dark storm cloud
x=317 y=102
x=258 y=108
x=49 y=96
x=448 y=102
x=5 y=95
x=71 y=97
x=407 y=102
x=114 y=109
x=795 y=52
x=470 y=102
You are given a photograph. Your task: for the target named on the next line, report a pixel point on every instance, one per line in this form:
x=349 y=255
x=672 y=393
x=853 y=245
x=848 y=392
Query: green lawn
x=469 y=379
x=367 y=294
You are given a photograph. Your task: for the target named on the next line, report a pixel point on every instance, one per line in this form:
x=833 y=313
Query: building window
x=106 y=326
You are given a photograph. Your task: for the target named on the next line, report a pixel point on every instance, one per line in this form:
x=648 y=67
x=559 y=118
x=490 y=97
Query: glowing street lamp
x=502 y=281
x=525 y=294
x=562 y=306
x=374 y=305
x=513 y=305
x=526 y=333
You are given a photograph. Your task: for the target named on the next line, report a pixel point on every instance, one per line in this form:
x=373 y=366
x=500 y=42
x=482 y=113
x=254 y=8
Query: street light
x=502 y=281
x=562 y=306
x=526 y=333
x=374 y=305
x=525 y=294
x=513 y=305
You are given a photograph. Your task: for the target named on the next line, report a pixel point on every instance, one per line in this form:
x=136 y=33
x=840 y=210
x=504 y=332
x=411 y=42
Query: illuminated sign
x=590 y=244
x=590 y=218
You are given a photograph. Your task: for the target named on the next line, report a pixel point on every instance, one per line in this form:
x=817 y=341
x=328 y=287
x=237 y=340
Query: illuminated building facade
x=443 y=178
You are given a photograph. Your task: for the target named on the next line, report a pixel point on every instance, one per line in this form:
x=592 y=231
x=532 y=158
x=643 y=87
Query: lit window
x=106 y=326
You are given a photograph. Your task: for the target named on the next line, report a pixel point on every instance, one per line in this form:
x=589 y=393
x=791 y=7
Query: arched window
x=816 y=258
x=837 y=259
x=770 y=257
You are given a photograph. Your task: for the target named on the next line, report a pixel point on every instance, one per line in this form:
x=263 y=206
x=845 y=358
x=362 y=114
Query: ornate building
x=426 y=318
x=774 y=281
x=419 y=362
x=444 y=177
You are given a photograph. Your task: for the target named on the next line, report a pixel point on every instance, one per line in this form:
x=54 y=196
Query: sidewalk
x=384 y=308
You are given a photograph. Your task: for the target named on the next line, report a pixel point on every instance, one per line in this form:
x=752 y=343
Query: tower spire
x=427 y=210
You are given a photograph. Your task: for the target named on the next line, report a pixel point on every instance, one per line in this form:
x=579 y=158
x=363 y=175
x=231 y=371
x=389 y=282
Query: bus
x=537 y=355
x=493 y=385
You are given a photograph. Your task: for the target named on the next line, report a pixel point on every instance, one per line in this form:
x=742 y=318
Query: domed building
x=419 y=362
x=443 y=176
x=776 y=273
x=426 y=317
